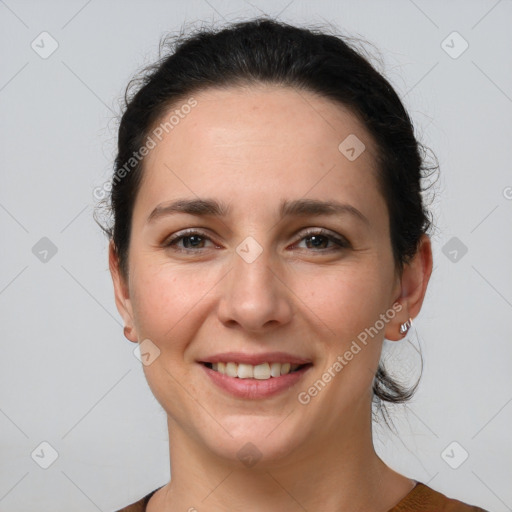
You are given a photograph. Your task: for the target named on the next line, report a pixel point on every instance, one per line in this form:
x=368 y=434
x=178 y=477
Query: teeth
x=275 y=369
x=262 y=371
x=231 y=369
x=285 y=368
x=245 y=371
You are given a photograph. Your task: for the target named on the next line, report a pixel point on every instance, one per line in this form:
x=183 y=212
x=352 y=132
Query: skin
x=252 y=147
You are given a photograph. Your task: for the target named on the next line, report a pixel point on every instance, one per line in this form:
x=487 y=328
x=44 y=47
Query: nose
x=255 y=296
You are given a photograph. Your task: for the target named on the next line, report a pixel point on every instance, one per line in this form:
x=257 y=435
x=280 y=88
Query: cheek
x=347 y=299
x=169 y=307
x=166 y=301
x=348 y=302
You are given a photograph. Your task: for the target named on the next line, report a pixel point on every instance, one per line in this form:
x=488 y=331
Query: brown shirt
x=421 y=499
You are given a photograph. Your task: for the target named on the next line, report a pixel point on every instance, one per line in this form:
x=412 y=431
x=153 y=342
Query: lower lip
x=255 y=388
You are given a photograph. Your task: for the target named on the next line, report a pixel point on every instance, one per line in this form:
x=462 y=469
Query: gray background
x=68 y=377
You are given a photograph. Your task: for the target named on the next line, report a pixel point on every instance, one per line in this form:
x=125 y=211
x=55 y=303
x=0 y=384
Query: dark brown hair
x=263 y=50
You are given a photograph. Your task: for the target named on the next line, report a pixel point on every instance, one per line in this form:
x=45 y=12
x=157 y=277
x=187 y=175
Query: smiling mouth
x=263 y=371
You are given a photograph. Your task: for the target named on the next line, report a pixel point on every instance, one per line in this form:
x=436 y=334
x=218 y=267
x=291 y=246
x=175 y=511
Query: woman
x=269 y=233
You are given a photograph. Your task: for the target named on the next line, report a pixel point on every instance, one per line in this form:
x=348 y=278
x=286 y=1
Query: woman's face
x=253 y=285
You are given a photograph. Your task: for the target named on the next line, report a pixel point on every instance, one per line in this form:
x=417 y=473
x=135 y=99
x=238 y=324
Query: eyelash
x=341 y=242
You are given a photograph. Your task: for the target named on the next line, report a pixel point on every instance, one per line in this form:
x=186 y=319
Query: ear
x=122 y=295
x=412 y=288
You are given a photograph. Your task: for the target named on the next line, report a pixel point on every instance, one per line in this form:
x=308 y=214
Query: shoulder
x=138 y=506
x=424 y=499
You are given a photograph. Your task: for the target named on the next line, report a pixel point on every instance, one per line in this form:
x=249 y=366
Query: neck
x=339 y=472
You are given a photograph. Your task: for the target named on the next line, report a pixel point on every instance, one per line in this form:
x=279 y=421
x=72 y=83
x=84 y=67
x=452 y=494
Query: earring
x=405 y=327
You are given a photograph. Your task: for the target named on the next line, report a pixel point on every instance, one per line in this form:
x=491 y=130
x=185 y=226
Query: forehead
x=233 y=116
x=257 y=142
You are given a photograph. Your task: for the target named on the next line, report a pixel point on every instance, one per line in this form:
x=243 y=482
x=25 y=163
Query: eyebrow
x=295 y=208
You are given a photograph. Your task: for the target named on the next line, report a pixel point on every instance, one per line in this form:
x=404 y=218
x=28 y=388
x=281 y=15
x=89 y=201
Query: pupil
x=193 y=237
x=317 y=240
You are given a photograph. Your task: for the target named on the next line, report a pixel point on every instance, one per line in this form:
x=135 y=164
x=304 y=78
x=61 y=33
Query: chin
x=257 y=441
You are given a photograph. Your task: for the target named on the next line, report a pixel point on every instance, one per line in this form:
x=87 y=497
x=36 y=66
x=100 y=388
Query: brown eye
x=319 y=239
x=191 y=240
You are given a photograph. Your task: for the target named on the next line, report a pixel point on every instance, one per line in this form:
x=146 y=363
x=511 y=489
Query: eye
x=315 y=239
x=192 y=239
x=318 y=238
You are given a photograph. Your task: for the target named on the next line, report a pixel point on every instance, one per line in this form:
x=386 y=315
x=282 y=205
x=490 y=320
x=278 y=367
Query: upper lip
x=254 y=359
